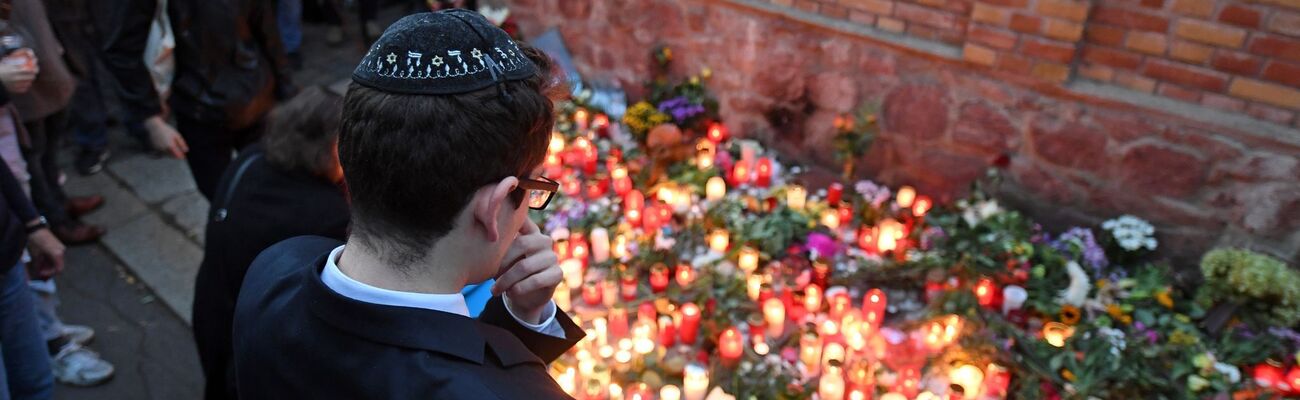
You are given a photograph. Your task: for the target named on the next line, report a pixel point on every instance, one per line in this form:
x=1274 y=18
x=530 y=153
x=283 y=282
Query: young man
x=444 y=129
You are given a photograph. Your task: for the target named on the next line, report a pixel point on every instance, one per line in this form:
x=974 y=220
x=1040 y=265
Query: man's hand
x=47 y=255
x=18 y=70
x=529 y=273
x=165 y=138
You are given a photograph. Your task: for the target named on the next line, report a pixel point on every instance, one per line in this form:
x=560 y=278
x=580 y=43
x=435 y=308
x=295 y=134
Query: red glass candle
x=578 y=247
x=740 y=174
x=600 y=124
x=622 y=182
x=627 y=286
x=839 y=304
x=730 y=346
x=821 y=273
x=874 y=301
x=658 y=278
x=921 y=206
x=633 y=206
x=646 y=311
x=597 y=188
x=593 y=293
x=846 y=214
x=986 y=292
x=685 y=275
x=867 y=239
x=617 y=324
x=834 y=193
x=1293 y=380
x=763 y=172
x=690 y=325
x=812 y=298
x=717 y=132
x=1268 y=376
x=667 y=332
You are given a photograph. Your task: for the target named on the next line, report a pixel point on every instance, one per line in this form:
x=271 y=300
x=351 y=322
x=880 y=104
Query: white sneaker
x=79 y=334
x=79 y=366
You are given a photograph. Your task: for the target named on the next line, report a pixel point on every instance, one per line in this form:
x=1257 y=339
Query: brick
x=1130 y=19
x=1049 y=50
x=1146 y=42
x=807 y=5
x=933 y=3
x=1156 y=4
x=878 y=7
x=1190 y=52
x=1111 y=57
x=1295 y=4
x=1007 y=3
x=992 y=37
x=979 y=54
x=1236 y=63
x=1102 y=34
x=1270 y=93
x=1014 y=63
x=925 y=16
x=1275 y=46
x=890 y=24
x=1210 y=33
x=1025 y=23
x=1060 y=29
x=1196 y=8
x=1178 y=92
x=1222 y=102
x=1071 y=10
x=835 y=11
x=862 y=17
x=1269 y=113
x=1239 y=15
x=1282 y=72
x=1098 y=73
x=1051 y=72
x=992 y=15
x=1186 y=75
x=1135 y=82
x=1285 y=23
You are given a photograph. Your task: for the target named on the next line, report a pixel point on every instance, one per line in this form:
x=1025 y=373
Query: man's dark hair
x=301 y=133
x=412 y=162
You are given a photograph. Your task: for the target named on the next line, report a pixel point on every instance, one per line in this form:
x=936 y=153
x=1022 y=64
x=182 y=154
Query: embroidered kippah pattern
x=418 y=65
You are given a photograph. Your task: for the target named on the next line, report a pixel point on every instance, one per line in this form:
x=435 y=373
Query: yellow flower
x=1101 y=283
x=695 y=80
x=1182 y=338
x=1183 y=318
x=668 y=53
x=1069 y=376
x=1114 y=311
x=706 y=73
x=1070 y=314
x=1126 y=319
x=1164 y=299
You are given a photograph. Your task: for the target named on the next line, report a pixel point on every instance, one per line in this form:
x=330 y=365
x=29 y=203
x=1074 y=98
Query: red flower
x=1002 y=161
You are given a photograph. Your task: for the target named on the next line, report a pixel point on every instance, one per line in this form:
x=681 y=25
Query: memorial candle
x=763 y=172
x=830 y=218
x=719 y=240
x=670 y=392
x=616 y=391
x=600 y=122
x=730 y=346
x=705 y=152
x=1055 y=333
x=561 y=296
x=796 y=197
x=834 y=193
x=810 y=352
x=922 y=206
x=628 y=285
x=695 y=383
x=600 y=245
x=557 y=143
x=667 y=332
x=774 y=315
x=572 y=270
x=690 y=325
x=986 y=292
x=580 y=118
x=839 y=304
x=997 y=380
x=831 y=385
x=622 y=183
x=740 y=174
x=905 y=196
x=748 y=260
x=754 y=286
x=846 y=214
x=717 y=132
x=812 y=298
x=970 y=378
x=633 y=205
x=874 y=301
x=715 y=189
x=685 y=275
x=578 y=248
x=593 y=293
x=617 y=324
x=659 y=278
x=619 y=250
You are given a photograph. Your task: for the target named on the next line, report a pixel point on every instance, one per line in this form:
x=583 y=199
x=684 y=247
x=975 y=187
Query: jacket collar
x=446 y=333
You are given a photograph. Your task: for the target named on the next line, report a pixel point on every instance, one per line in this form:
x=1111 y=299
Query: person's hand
x=529 y=273
x=18 y=70
x=165 y=138
x=47 y=255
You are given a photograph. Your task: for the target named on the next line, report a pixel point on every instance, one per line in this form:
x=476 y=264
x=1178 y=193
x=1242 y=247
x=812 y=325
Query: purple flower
x=1083 y=240
x=680 y=108
x=931 y=235
x=821 y=245
x=873 y=193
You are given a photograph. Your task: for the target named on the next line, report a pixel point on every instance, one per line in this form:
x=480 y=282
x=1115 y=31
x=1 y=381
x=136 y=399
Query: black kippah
x=445 y=52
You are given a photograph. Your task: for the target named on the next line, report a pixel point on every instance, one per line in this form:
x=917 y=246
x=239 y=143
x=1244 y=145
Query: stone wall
x=1081 y=151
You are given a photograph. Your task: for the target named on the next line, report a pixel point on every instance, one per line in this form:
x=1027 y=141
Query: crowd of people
x=211 y=82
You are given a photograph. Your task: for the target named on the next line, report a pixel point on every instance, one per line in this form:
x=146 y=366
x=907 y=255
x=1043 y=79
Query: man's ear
x=489 y=201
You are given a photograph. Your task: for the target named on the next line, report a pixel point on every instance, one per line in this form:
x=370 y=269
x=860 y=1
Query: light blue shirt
x=340 y=283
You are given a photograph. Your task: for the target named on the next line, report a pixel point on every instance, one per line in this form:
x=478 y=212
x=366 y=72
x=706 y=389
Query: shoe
x=334 y=35
x=78 y=206
x=77 y=232
x=78 y=334
x=79 y=366
x=90 y=162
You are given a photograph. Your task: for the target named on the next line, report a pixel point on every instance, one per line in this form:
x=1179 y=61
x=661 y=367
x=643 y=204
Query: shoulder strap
x=222 y=212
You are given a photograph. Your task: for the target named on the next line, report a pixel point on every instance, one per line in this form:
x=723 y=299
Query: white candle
x=600 y=244
x=572 y=269
x=833 y=352
x=568 y=381
x=969 y=377
x=670 y=392
x=695 y=385
x=748 y=261
x=719 y=240
x=754 y=286
x=715 y=189
x=906 y=195
x=831 y=386
x=774 y=313
x=893 y=396
x=796 y=197
x=561 y=296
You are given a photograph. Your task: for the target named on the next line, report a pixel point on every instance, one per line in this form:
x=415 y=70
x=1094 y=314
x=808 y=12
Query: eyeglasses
x=538 y=191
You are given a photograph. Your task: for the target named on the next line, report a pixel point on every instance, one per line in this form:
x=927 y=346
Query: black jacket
x=262 y=207
x=15 y=211
x=295 y=338
x=230 y=63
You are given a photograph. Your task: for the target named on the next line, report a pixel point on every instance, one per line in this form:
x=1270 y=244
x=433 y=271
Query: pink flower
x=821 y=245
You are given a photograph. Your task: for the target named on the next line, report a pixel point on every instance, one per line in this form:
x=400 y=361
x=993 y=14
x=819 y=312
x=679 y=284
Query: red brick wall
x=782 y=77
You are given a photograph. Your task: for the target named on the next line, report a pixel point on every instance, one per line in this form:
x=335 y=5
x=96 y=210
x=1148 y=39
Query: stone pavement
x=136 y=286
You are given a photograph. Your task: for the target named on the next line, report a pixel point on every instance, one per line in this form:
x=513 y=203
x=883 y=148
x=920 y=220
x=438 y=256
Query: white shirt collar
x=336 y=280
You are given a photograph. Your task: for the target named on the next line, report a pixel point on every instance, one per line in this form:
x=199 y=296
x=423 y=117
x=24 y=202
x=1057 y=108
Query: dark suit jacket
x=295 y=338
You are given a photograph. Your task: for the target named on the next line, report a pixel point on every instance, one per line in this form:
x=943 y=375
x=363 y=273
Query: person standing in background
x=288 y=15
x=231 y=68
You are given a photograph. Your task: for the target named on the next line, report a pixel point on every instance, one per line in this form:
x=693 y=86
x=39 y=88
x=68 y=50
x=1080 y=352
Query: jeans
x=25 y=372
x=47 y=301
x=288 y=14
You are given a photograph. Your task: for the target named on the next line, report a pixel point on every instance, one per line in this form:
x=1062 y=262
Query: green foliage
x=856 y=132
x=1267 y=291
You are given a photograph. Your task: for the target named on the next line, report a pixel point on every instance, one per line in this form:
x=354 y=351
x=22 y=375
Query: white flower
x=1077 y=292
x=1132 y=233
x=981 y=211
x=1116 y=339
x=1229 y=370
